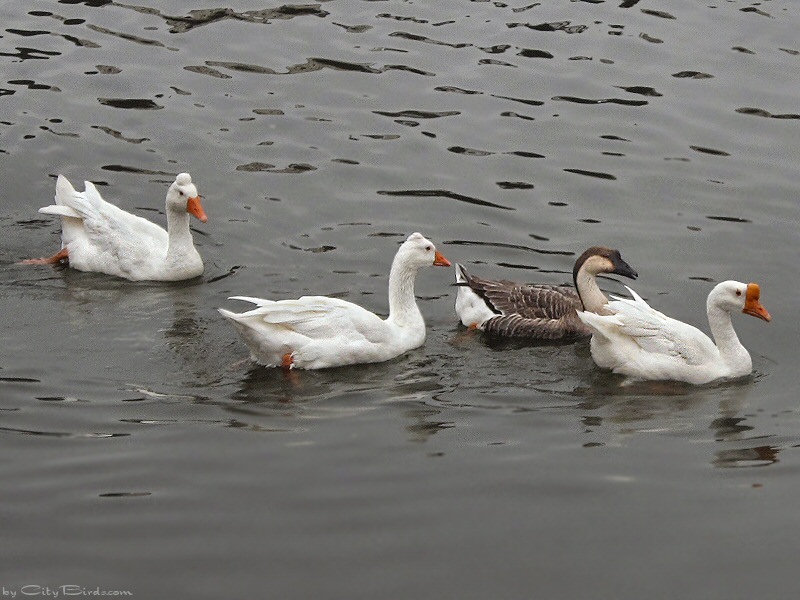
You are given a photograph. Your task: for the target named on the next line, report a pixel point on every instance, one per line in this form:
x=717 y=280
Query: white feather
x=320 y=332
x=642 y=343
x=103 y=238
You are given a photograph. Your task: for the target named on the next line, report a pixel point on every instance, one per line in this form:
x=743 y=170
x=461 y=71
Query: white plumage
x=100 y=237
x=638 y=341
x=316 y=332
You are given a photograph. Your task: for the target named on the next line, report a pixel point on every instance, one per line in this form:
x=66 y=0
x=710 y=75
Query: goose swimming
x=539 y=311
x=317 y=332
x=638 y=341
x=100 y=237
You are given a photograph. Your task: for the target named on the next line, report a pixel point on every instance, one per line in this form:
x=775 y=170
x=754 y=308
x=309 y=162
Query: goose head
x=418 y=251
x=182 y=197
x=599 y=259
x=736 y=296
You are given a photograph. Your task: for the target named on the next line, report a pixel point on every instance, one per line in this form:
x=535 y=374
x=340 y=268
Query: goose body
x=100 y=237
x=317 y=332
x=538 y=311
x=636 y=340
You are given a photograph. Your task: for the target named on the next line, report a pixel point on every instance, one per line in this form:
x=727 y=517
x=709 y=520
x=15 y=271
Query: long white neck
x=180 y=237
x=728 y=344
x=403 y=309
x=592 y=297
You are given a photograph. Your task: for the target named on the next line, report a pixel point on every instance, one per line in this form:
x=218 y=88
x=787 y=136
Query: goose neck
x=178 y=230
x=592 y=298
x=403 y=308
x=728 y=344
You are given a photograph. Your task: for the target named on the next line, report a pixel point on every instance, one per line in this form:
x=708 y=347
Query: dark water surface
x=143 y=452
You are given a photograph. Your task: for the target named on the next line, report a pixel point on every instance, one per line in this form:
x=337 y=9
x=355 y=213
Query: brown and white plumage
x=539 y=311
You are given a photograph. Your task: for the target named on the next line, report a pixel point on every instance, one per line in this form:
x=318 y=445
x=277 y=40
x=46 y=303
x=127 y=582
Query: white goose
x=316 y=332
x=538 y=311
x=640 y=342
x=100 y=237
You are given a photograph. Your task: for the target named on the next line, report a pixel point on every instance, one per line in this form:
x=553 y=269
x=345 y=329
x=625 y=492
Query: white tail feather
x=60 y=210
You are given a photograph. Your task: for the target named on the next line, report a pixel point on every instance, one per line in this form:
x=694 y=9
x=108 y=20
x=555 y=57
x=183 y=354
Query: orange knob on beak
x=752 y=305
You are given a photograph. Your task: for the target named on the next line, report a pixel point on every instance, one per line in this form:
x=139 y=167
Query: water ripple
x=651 y=39
x=760 y=112
x=510 y=247
x=755 y=10
x=555 y=26
x=497 y=49
x=89 y=3
x=256 y=167
x=712 y=151
x=596 y=174
x=621 y=101
x=692 y=75
x=198 y=18
x=527 y=101
x=514 y=185
x=126 y=36
x=641 y=90
x=469 y=151
x=525 y=154
x=457 y=90
x=444 y=194
x=658 y=13
x=203 y=70
x=32 y=85
x=426 y=40
x=136 y=170
x=310 y=66
x=118 y=135
x=61 y=434
x=24 y=53
x=532 y=53
x=28 y=32
x=729 y=219
x=417 y=114
x=130 y=103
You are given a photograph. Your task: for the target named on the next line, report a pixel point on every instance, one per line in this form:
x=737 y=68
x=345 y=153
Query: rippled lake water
x=143 y=452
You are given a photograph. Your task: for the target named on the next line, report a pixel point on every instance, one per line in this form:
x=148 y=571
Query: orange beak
x=752 y=306
x=194 y=207
x=440 y=261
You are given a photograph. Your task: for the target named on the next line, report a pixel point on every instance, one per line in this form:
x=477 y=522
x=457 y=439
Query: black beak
x=624 y=269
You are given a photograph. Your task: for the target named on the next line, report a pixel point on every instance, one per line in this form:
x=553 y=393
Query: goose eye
x=427 y=248
x=738 y=292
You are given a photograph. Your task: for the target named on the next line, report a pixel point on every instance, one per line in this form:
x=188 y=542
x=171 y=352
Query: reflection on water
x=515 y=136
x=666 y=407
x=758 y=456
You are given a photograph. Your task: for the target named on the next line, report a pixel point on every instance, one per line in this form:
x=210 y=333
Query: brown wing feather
x=516 y=326
x=530 y=311
x=529 y=301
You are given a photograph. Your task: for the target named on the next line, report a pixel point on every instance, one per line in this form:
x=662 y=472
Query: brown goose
x=540 y=311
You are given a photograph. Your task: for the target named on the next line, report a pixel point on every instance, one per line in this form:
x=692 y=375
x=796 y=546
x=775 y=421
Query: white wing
x=654 y=332
x=101 y=218
x=318 y=317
